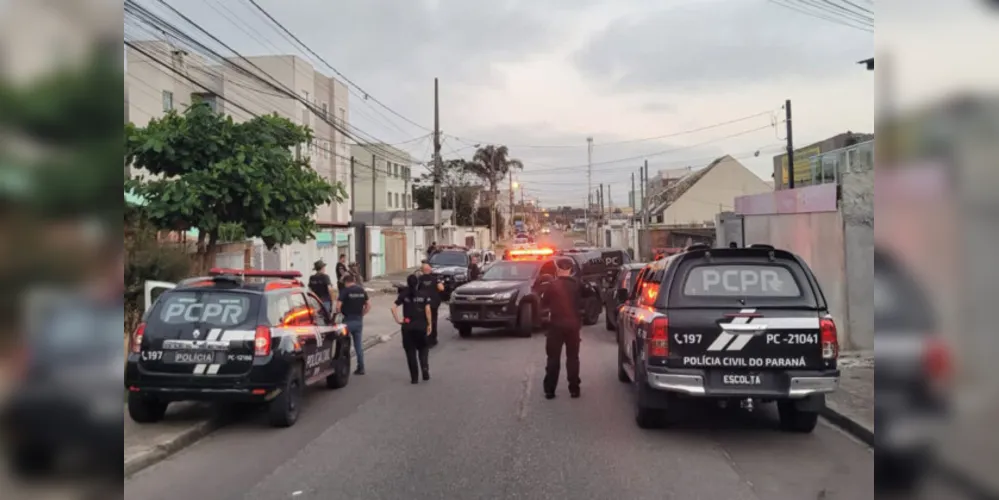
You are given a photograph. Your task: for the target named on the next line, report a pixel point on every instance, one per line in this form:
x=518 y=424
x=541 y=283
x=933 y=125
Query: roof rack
x=762 y=246
x=697 y=246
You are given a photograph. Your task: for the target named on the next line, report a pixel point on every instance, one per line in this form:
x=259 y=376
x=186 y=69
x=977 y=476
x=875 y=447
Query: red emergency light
x=254 y=273
x=531 y=253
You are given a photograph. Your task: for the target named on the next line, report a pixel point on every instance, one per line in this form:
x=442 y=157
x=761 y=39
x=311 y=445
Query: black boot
x=425 y=363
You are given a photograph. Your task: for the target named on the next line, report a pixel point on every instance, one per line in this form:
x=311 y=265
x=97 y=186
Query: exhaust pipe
x=746 y=404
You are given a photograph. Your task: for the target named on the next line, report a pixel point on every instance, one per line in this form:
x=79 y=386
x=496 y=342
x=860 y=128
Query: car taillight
x=829 y=338
x=937 y=360
x=136 y=344
x=659 y=338
x=262 y=341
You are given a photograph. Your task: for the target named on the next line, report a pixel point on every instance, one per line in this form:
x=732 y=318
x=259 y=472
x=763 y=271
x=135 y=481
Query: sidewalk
x=968 y=446
x=385 y=284
x=186 y=423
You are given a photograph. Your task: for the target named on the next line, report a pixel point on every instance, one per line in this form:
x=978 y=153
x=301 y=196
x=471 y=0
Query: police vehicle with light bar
x=234 y=336
x=508 y=294
x=737 y=326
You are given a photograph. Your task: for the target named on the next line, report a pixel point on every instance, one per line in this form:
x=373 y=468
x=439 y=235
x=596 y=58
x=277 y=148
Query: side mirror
x=337 y=318
x=621 y=295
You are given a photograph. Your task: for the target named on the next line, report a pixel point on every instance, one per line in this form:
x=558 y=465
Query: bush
x=148 y=260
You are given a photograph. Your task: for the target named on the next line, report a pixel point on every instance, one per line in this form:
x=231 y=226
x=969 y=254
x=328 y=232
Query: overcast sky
x=540 y=77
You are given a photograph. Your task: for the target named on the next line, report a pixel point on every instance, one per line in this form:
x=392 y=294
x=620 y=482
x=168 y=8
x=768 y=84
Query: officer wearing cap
x=563 y=297
x=321 y=285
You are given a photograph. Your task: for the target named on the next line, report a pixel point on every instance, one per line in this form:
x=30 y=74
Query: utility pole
x=631 y=199
x=353 y=197
x=602 y=211
x=374 y=199
x=790 y=145
x=437 y=165
x=610 y=202
x=589 y=180
x=405 y=202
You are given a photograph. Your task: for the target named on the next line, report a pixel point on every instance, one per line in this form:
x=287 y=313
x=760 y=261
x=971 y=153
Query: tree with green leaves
x=458 y=191
x=209 y=172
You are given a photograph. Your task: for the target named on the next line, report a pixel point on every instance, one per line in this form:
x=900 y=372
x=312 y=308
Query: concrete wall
x=857 y=208
x=819 y=239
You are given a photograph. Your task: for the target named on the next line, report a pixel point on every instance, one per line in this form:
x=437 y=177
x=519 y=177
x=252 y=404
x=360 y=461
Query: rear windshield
x=218 y=309
x=741 y=280
x=457 y=259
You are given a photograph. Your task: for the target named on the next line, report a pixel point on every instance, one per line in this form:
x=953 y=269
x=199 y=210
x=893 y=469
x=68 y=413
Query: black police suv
x=452 y=266
x=67 y=386
x=738 y=326
x=508 y=295
x=591 y=271
x=230 y=338
x=913 y=374
x=614 y=298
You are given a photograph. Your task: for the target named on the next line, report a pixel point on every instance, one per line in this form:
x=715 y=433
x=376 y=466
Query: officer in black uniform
x=563 y=297
x=353 y=303
x=415 y=324
x=474 y=271
x=431 y=286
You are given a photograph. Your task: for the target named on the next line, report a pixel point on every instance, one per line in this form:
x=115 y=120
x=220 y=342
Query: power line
x=631 y=141
x=131 y=7
x=330 y=66
x=833 y=19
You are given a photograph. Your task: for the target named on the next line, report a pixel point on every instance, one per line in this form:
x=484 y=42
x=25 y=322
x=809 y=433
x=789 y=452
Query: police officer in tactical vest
x=353 y=303
x=563 y=297
x=431 y=286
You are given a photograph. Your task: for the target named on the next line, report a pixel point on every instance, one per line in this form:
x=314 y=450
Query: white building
x=700 y=195
x=389 y=186
x=152 y=90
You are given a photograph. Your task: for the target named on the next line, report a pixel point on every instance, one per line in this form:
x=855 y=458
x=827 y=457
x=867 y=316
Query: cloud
x=719 y=43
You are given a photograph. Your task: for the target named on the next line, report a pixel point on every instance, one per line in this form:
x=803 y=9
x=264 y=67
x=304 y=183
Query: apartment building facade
x=388 y=186
x=153 y=90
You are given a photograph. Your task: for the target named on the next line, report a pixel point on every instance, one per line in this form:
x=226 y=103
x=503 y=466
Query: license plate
x=193 y=358
x=742 y=379
x=470 y=315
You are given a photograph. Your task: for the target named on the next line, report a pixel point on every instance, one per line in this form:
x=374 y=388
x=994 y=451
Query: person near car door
x=474 y=272
x=563 y=297
x=341 y=269
x=321 y=285
x=416 y=327
x=432 y=286
x=354 y=304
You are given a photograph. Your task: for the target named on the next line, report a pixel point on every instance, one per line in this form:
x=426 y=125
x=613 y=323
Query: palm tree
x=492 y=164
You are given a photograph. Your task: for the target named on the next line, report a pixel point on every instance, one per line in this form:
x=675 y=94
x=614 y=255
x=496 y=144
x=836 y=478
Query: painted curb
x=963 y=481
x=855 y=428
x=162 y=451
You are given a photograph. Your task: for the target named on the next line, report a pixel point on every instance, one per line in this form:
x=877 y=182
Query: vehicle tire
x=794 y=420
x=525 y=320
x=284 y=409
x=32 y=460
x=645 y=417
x=622 y=375
x=341 y=372
x=144 y=409
x=607 y=321
x=592 y=315
x=464 y=331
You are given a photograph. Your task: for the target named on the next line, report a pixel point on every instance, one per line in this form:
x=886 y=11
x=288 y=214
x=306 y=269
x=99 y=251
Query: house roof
x=665 y=198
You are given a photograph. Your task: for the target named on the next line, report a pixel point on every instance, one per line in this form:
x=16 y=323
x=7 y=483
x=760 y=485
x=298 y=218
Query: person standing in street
x=563 y=301
x=432 y=250
x=353 y=303
x=321 y=285
x=416 y=327
x=341 y=269
x=431 y=286
x=474 y=272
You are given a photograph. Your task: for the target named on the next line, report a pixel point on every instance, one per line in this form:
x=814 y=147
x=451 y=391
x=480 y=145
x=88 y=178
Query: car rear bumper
x=259 y=384
x=776 y=385
x=232 y=395
x=483 y=314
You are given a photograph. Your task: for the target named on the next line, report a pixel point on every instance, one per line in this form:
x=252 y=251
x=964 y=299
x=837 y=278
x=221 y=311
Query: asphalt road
x=482 y=429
